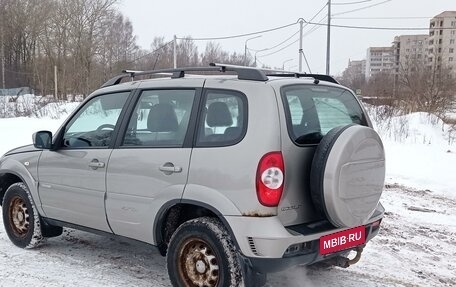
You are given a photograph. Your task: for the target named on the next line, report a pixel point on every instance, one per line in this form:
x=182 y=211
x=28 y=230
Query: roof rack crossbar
x=319 y=77
x=244 y=73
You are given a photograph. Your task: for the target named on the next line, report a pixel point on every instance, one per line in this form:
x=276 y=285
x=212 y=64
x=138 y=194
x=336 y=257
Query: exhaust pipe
x=346 y=262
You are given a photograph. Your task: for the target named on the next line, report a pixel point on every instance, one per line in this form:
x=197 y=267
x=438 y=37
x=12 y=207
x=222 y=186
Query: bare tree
x=187 y=53
x=214 y=53
x=88 y=41
x=353 y=80
x=427 y=87
x=118 y=46
x=380 y=86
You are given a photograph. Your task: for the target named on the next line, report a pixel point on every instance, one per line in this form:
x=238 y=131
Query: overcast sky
x=216 y=18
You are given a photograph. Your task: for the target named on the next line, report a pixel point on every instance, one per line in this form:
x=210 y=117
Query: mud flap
x=252 y=278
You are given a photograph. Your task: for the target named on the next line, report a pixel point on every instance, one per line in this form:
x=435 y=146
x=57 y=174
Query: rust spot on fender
x=257 y=213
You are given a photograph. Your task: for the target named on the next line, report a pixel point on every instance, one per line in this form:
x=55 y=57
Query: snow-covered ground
x=416 y=245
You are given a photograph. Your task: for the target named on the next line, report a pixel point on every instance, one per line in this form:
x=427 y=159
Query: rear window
x=312 y=111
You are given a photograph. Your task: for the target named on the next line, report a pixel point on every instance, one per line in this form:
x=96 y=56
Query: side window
x=94 y=124
x=160 y=118
x=224 y=119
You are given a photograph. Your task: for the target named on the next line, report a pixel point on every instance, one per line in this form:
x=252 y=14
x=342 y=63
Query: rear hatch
x=309 y=112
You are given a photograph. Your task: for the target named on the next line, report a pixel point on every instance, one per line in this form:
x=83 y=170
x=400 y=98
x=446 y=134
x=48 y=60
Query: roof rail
x=284 y=73
x=319 y=77
x=244 y=73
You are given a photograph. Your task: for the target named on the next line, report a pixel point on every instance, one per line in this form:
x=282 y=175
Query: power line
x=272 y=53
x=239 y=35
x=260 y=32
x=318 y=13
x=351 y=3
x=152 y=52
x=315 y=16
x=383 y=28
x=275 y=46
x=264 y=65
x=379 y=18
x=284 y=41
x=362 y=8
x=315 y=27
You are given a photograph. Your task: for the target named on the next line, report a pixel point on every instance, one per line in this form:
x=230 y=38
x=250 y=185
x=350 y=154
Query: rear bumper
x=270 y=265
x=267 y=246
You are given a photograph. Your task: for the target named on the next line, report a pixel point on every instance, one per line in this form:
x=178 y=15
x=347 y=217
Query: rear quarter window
x=223 y=119
x=312 y=111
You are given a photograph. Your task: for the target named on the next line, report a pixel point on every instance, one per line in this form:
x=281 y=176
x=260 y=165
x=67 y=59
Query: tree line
x=89 y=41
x=414 y=86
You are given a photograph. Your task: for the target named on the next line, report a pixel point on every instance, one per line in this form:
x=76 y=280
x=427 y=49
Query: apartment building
x=356 y=67
x=378 y=60
x=442 y=41
x=410 y=52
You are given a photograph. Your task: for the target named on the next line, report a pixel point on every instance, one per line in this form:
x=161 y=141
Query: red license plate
x=342 y=240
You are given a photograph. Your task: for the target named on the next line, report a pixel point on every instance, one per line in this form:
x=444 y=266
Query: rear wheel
x=201 y=253
x=20 y=217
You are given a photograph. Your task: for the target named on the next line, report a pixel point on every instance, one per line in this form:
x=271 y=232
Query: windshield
x=312 y=111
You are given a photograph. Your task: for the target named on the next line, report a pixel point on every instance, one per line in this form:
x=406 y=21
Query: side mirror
x=42 y=139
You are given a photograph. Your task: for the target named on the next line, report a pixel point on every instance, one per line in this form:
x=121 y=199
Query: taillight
x=270 y=178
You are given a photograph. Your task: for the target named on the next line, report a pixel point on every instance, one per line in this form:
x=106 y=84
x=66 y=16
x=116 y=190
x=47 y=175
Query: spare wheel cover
x=348 y=174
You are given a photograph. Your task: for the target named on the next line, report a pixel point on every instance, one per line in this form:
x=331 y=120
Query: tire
x=202 y=253
x=20 y=217
x=348 y=175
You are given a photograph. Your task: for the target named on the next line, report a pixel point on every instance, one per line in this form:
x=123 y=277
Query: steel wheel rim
x=18 y=216
x=197 y=264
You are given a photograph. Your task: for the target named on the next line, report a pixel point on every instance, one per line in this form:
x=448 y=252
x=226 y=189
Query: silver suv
x=232 y=176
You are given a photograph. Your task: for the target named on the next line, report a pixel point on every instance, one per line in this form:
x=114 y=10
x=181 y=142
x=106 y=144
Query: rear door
x=309 y=113
x=150 y=165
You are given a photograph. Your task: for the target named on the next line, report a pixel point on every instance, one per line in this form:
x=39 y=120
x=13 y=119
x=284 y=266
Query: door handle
x=95 y=164
x=169 y=168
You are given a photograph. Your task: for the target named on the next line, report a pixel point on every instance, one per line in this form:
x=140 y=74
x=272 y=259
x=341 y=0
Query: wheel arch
x=28 y=174
x=175 y=212
x=7 y=178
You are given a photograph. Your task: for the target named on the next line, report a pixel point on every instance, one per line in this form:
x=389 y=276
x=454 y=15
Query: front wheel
x=20 y=217
x=201 y=253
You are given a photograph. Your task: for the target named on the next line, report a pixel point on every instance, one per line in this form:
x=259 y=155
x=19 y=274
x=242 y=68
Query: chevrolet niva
x=232 y=176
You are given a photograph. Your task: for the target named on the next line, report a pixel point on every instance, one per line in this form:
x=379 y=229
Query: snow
x=422 y=166
x=420 y=152
x=416 y=245
x=18 y=131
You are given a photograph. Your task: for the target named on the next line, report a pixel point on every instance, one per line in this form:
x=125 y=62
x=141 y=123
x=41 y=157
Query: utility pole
x=301 y=22
x=3 y=59
x=55 y=82
x=328 y=45
x=245 y=48
x=283 y=63
x=175 y=51
x=262 y=50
